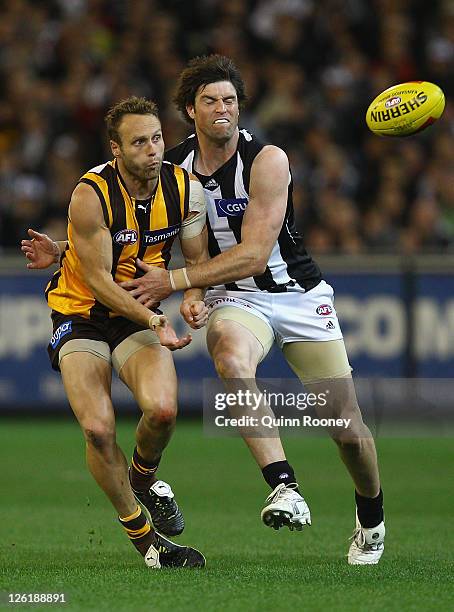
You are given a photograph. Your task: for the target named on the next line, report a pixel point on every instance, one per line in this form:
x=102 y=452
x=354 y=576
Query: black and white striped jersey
x=227 y=195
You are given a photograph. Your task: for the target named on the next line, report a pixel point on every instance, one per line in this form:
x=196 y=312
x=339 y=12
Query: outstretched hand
x=168 y=337
x=41 y=251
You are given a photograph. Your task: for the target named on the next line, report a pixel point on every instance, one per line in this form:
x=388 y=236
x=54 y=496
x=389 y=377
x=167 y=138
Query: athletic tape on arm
x=193 y=226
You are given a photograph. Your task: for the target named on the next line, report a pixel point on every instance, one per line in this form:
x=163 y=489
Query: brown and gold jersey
x=144 y=230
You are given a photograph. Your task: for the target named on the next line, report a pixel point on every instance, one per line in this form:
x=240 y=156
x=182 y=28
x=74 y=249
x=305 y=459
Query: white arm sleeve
x=194 y=225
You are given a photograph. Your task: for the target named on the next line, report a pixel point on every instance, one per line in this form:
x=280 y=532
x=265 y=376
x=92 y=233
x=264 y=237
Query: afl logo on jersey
x=125 y=236
x=324 y=310
x=232 y=207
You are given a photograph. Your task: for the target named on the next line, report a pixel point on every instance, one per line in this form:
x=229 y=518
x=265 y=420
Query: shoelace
x=164 y=505
x=359 y=539
x=283 y=492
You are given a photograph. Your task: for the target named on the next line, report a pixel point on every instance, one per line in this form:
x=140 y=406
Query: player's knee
x=232 y=365
x=353 y=441
x=161 y=414
x=100 y=436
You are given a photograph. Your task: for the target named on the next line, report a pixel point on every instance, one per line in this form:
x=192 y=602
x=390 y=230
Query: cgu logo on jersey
x=231 y=207
x=65 y=328
x=125 y=236
x=324 y=310
x=151 y=237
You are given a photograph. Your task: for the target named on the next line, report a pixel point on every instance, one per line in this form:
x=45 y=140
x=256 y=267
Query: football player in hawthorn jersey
x=130 y=207
x=265 y=288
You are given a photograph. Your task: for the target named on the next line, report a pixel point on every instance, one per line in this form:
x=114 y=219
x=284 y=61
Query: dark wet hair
x=201 y=71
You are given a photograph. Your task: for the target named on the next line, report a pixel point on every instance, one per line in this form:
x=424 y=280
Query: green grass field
x=59 y=533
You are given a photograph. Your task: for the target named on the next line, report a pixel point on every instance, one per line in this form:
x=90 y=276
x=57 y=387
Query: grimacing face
x=215 y=111
x=142 y=146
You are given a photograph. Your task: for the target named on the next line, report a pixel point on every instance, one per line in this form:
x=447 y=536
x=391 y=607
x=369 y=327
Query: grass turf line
x=59 y=532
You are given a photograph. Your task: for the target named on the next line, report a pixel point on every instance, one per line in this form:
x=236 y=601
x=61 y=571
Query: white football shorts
x=304 y=325
x=293 y=315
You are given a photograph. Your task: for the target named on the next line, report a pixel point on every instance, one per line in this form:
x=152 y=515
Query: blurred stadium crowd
x=311 y=68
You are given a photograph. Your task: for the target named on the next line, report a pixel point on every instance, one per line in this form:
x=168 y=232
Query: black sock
x=277 y=473
x=370 y=509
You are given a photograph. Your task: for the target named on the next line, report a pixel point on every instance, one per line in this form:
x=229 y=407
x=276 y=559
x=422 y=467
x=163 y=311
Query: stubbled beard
x=143 y=174
x=216 y=137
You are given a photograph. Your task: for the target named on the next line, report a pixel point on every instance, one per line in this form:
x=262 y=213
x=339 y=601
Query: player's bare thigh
x=87 y=379
x=237 y=341
x=149 y=373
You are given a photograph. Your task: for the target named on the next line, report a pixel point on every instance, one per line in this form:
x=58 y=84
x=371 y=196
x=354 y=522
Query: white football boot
x=285 y=506
x=367 y=544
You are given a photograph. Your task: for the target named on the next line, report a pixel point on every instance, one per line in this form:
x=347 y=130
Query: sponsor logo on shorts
x=330 y=325
x=233 y=207
x=225 y=300
x=125 y=236
x=151 y=237
x=324 y=310
x=393 y=101
x=63 y=330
